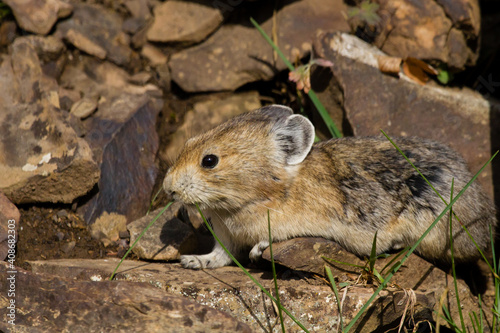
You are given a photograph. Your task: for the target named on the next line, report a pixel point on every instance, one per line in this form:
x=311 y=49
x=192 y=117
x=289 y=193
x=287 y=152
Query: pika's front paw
x=217 y=258
x=256 y=252
x=192 y=262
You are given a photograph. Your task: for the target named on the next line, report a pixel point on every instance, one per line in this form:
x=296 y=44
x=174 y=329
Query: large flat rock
x=47 y=303
x=228 y=289
x=237 y=54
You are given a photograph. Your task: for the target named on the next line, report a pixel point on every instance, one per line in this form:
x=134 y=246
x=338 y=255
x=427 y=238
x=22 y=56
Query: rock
x=50 y=163
x=373 y=101
x=23 y=76
x=8 y=31
x=140 y=78
x=107 y=227
x=122 y=136
x=68 y=247
x=183 y=22
x=39 y=16
x=229 y=290
x=305 y=254
x=206 y=115
x=163 y=77
x=238 y=54
x=166 y=239
x=43 y=158
x=138 y=8
x=431 y=30
x=226 y=289
x=84 y=107
x=47 y=48
x=9 y=221
x=62 y=304
x=85 y=44
x=154 y=55
x=418 y=275
x=98 y=32
x=106 y=84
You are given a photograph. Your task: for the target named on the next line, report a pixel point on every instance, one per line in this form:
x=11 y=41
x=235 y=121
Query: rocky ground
x=97 y=97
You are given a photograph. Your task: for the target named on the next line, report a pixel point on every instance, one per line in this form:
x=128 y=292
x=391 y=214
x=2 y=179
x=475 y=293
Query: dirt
x=47 y=232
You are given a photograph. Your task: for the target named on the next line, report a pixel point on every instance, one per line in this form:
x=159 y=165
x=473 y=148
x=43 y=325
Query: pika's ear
x=275 y=111
x=295 y=137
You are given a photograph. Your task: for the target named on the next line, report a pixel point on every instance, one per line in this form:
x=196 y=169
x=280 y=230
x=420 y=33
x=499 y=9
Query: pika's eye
x=209 y=161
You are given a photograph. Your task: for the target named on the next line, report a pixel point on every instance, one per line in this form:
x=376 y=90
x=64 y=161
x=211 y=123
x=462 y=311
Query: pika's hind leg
x=256 y=252
x=217 y=258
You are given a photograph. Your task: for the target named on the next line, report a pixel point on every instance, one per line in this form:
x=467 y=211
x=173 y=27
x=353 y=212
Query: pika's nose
x=167 y=184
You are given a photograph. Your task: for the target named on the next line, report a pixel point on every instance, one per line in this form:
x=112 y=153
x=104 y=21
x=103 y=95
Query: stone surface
x=98 y=32
x=8 y=31
x=312 y=302
x=460 y=118
x=183 y=22
x=154 y=55
x=9 y=222
x=305 y=254
x=447 y=31
x=166 y=239
x=207 y=114
x=238 y=54
x=38 y=16
x=108 y=226
x=84 y=107
x=122 y=136
x=47 y=48
x=50 y=164
x=48 y=303
x=416 y=274
x=226 y=289
x=43 y=160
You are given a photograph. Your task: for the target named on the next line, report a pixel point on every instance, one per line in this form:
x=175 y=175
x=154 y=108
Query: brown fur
x=342 y=189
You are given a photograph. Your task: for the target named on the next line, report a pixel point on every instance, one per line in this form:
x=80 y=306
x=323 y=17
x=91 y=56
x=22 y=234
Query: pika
x=343 y=189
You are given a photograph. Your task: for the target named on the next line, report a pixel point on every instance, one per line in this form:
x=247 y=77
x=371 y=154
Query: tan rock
x=431 y=30
x=183 y=22
x=107 y=227
x=38 y=16
x=154 y=55
x=238 y=54
x=84 y=107
x=166 y=239
x=83 y=43
x=95 y=305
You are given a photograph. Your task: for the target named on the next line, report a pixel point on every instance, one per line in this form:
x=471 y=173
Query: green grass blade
x=152 y=201
x=278 y=302
x=373 y=253
x=312 y=95
x=414 y=246
x=496 y=281
x=449 y=320
x=453 y=271
x=274 y=46
x=473 y=320
x=399 y=254
x=334 y=131
x=264 y=290
x=377 y=274
x=138 y=238
x=336 y=292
